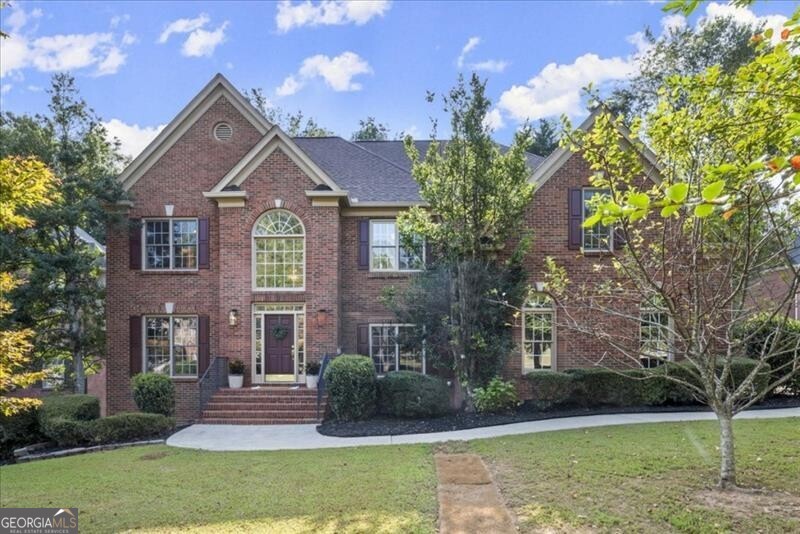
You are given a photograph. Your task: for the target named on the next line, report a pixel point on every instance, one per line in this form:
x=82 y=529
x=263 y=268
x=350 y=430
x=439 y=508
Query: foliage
x=550 y=389
x=478 y=195
x=312 y=368
x=236 y=367
x=410 y=394
x=18 y=429
x=62 y=271
x=291 y=123
x=544 y=138
x=130 y=426
x=370 y=130
x=75 y=407
x=497 y=396
x=780 y=338
x=154 y=393
x=66 y=432
x=351 y=384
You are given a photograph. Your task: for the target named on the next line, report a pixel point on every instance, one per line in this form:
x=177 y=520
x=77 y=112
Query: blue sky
x=139 y=63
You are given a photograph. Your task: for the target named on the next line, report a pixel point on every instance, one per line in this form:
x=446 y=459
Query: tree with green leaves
x=62 y=296
x=25 y=183
x=475 y=197
x=291 y=123
x=722 y=213
x=544 y=138
x=370 y=130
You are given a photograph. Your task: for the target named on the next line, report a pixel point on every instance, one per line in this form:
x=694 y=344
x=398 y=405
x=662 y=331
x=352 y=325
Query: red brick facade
x=337 y=296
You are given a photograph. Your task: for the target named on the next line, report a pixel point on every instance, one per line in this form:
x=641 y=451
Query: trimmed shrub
x=551 y=389
x=76 y=407
x=761 y=331
x=351 y=384
x=18 y=430
x=497 y=396
x=154 y=393
x=603 y=387
x=410 y=394
x=130 y=426
x=67 y=432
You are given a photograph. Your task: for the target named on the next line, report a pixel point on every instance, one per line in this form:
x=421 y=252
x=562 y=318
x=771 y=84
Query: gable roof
x=218 y=87
x=559 y=157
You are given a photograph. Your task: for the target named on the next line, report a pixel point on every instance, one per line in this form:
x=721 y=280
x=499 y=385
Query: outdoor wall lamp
x=233 y=317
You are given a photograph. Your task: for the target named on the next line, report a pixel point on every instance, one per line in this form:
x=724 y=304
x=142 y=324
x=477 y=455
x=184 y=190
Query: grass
x=643 y=478
x=637 y=478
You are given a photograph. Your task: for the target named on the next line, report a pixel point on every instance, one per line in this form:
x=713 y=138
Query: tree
x=370 y=130
x=544 y=139
x=724 y=212
x=62 y=296
x=24 y=184
x=475 y=199
x=724 y=42
x=291 y=123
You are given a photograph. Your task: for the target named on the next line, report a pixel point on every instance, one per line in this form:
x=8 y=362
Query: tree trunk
x=727 y=471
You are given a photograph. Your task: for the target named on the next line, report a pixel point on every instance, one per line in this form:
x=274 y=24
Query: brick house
x=246 y=244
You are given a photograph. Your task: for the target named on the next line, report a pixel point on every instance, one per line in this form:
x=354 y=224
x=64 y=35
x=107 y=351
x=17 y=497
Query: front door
x=279 y=344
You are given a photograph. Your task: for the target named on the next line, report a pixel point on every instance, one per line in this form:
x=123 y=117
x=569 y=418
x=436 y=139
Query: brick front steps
x=267 y=405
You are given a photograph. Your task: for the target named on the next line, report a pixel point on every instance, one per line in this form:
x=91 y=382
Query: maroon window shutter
x=136 y=344
x=135 y=243
x=363 y=244
x=203 y=347
x=203 y=257
x=362 y=340
x=575 y=218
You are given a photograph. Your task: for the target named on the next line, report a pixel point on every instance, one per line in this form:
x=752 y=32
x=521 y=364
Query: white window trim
x=171 y=267
x=610 y=247
x=396 y=249
x=253 y=237
x=396 y=345
x=171 y=343
x=670 y=335
x=551 y=310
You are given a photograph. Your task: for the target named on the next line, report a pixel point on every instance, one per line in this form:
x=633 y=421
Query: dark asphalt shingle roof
x=372 y=171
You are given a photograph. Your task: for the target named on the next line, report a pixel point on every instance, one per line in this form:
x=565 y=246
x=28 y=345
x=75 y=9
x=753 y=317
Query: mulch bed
x=388 y=426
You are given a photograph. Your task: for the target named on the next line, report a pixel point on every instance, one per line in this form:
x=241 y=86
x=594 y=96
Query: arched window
x=279 y=248
x=538 y=333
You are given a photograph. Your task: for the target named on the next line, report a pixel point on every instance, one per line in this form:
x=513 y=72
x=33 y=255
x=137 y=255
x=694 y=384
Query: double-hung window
x=599 y=237
x=655 y=334
x=538 y=333
x=391 y=351
x=170 y=244
x=171 y=345
x=390 y=252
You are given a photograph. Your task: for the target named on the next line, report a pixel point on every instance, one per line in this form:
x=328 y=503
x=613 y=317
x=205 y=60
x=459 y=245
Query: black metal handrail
x=215 y=377
x=326 y=359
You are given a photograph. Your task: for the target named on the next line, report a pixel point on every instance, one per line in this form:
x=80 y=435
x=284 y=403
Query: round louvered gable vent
x=223 y=131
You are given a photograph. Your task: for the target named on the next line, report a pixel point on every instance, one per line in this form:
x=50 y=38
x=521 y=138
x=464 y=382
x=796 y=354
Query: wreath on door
x=279 y=332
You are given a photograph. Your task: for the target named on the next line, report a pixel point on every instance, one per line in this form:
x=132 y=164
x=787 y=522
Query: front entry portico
x=278 y=342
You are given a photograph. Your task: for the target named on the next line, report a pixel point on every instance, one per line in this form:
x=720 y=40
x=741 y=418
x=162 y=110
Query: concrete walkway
x=297 y=437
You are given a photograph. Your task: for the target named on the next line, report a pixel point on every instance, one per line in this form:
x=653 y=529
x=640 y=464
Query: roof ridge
x=371 y=153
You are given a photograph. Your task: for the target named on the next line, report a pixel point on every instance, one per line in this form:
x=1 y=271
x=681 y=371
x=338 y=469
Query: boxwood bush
x=551 y=389
x=154 y=393
x=351 y=384
x=760 y=331
x=77 y=407
x=130 y=426
x=410 y=394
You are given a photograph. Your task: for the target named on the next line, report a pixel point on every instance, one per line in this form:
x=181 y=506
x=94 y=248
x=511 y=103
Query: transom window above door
x=170 y=244
x=279 y=252
x=390 y=252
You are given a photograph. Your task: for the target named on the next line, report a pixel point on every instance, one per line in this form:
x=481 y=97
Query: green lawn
x=641 y=478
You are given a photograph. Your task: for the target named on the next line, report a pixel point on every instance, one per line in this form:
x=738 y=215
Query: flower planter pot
x=311 y=381
x=235 y=381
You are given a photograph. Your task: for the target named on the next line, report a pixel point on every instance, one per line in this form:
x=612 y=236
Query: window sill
x=184 y=378
x=167 y=271
x=386 y=275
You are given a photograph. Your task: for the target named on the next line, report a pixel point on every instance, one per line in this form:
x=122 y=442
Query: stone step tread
x=264 y=402
x=225 y=421
x=265 y=414
x=260 y=408
x=271 y=393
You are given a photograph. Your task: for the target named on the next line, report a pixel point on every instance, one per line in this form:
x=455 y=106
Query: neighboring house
x=247 y=244
x=773 y=287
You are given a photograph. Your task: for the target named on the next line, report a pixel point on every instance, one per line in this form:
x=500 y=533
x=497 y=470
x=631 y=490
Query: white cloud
x=489 y=65
x=57 y=52
x=744 y=15
x=200 y=42
x=557 y=88
x=338 y=73
x=328 y=12
x=34 y=89
x=133 y=138
x=493 y=120
x=116 y=20
x=6 y=87
x=673 y=22
x=129 y=39
x=183 y=26
x=229 y=65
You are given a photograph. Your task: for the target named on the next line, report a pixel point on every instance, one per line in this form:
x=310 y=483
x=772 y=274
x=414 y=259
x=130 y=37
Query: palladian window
x=279 y=252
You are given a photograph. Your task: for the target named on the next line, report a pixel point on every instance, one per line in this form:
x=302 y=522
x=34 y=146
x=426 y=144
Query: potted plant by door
x=312 y=374
x=235 y=374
